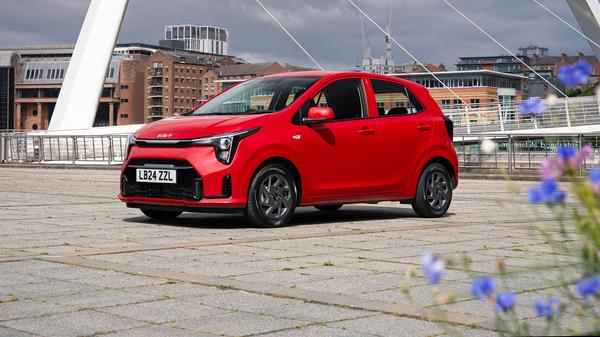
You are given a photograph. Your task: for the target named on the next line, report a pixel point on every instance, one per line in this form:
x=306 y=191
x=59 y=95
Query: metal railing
x=25 y=148
x=565 y=112
x=511 y=152
x=514 y=153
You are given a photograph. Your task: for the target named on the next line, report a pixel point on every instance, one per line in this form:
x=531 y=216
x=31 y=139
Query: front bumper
x=202 y=181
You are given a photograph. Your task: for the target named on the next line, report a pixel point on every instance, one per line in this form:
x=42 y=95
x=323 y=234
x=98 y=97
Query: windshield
x=258 y=96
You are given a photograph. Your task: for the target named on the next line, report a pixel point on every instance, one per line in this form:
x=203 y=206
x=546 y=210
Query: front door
x=342 y=153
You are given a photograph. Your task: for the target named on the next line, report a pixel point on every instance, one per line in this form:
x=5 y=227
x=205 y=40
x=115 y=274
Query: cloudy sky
x=328 y=29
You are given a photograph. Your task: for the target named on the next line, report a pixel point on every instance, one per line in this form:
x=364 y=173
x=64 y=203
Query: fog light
x=224 y=156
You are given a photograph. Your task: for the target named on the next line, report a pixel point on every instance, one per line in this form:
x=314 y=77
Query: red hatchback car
x=269 y=145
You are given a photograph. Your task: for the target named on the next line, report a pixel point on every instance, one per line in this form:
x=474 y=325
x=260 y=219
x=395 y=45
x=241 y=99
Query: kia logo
x=165 y=135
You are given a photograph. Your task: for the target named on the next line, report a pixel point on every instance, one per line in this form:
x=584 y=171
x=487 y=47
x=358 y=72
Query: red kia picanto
x=271 y=144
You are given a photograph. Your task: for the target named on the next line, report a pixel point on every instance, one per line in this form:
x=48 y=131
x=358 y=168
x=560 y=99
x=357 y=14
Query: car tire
x=160 y=215
x=329 y=208
x=434 y=192
x=272 y=197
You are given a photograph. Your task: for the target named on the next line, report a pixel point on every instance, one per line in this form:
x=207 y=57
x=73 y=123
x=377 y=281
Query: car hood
x=190 y=127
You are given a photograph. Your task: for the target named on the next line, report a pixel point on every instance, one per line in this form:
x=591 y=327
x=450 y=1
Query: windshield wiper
x=256 y=112
x=247 y=112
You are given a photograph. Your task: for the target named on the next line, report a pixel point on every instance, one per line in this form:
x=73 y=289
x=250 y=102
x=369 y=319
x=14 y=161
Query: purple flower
x=552 y=168
x=433 y=267
x=565 y=152
x=581 y=156
x=532 y=106
x=589 y=287
x=595 y=179
x=595 y=176
x=505 y=301
x=577 y=74
x=549 y=308
x=548 y=192
x=483 y=287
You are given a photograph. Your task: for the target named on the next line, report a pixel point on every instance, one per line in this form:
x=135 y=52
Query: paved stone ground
x=75 y=262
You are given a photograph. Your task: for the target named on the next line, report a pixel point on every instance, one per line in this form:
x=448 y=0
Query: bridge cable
x=503 y=47
x=290 y=35
x=566 y=23
x=409 y=53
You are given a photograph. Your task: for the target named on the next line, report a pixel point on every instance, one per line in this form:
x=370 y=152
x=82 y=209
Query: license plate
x=156 y=176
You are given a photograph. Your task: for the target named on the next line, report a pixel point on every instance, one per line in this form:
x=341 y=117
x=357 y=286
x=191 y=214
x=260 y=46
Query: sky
x=328 y=29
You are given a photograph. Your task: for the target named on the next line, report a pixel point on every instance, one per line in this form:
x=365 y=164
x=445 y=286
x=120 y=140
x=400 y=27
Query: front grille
x=188 y=187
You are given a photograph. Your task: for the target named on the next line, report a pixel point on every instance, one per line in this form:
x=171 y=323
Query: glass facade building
x=205 y=39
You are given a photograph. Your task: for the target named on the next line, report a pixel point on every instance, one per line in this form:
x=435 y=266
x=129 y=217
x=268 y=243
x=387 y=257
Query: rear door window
x=394 y=99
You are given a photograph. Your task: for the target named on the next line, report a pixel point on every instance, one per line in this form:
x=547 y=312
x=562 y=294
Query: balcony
x=156 y=82
x=156 y=72
x=156 y=91
x=155 y=101
x=156 y=112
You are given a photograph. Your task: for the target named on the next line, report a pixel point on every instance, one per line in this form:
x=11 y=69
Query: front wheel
x=434 y=192
x=272 y=197
x=160 y=215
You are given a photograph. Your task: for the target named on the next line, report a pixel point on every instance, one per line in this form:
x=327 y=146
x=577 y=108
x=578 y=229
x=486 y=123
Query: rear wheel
x=272 y=197
x=329 y=208
x=434 y=192
x=160 y=215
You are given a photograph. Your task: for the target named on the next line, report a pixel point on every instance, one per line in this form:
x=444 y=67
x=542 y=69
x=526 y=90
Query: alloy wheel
x=275 y=197
x=437 y=191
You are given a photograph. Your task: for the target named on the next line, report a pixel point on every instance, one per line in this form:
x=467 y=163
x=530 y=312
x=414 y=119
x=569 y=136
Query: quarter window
x=394 y=99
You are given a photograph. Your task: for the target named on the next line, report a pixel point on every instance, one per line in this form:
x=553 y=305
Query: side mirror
x=317 y=114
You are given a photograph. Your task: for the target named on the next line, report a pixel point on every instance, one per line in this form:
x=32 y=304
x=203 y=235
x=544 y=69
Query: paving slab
x=75 y=261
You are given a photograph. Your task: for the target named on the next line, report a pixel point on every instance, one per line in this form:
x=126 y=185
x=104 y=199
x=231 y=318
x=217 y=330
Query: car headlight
x=130 y=143
x=226 y=144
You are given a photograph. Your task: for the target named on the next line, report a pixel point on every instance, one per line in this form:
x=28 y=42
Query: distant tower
x=205 y=39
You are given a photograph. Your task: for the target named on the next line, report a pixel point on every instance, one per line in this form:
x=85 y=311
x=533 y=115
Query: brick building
x=235 y=73
x=485 y=91
x=31 y=79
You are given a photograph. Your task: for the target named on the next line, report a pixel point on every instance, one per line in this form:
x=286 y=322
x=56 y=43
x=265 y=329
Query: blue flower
x=589 y=287
x=433 y=268
x=577 y=74
x=549 y=308
x=595 y=176
x=548 y=192
x=566 y=152
x=505 y=301
x=532 y=106
x=483 y=287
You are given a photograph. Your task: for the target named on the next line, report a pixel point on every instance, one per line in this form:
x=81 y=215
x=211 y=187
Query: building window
x=124 y=116
x=475 y=103
x=124 y=86
x=34 y=126
x=34 y=113
x=124 y=100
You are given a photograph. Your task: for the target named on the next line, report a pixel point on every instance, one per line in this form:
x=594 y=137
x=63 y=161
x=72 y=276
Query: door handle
x=423 y=127
x=366 y=131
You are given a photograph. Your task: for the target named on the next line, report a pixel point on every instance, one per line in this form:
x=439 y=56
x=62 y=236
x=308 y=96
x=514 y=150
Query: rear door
x=406 y=130
x=342 y=153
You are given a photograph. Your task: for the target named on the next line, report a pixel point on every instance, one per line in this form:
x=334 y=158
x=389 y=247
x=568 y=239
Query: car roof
x=337 y=74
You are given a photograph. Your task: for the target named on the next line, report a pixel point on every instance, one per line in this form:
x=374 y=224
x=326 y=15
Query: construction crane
x=381 y=65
